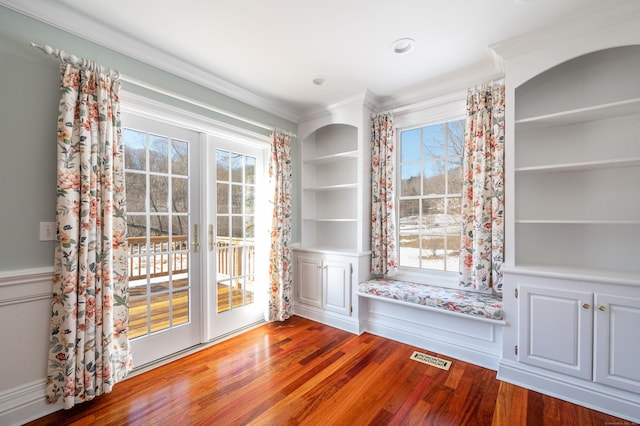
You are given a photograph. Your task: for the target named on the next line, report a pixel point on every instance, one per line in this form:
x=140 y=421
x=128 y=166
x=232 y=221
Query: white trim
x=63 y=17
x=589 y=20
x=433 y=111
x=342 y=322
x=24 y=286
x=68 y=58
x=433 y=308
x=459 y=336
x=588 y=394
x=155 y=110
x=25 y=276
x=25 y=403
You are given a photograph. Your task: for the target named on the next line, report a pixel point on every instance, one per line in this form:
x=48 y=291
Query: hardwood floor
x=304 y=373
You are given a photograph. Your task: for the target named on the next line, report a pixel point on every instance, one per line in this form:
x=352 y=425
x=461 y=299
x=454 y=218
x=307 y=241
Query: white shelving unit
x=329 y=188
x=577 y=169
x=334 y=251
x=571 y=274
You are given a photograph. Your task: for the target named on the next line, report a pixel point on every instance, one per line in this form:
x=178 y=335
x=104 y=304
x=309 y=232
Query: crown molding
x=367 y=99
x=444 y=86
x=589 y=20
x=60 y=16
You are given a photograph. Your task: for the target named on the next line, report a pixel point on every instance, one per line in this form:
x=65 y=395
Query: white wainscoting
x=472 y=340
x=25 y=312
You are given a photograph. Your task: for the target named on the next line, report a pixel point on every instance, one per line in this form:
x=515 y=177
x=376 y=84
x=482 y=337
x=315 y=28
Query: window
x=429 y=191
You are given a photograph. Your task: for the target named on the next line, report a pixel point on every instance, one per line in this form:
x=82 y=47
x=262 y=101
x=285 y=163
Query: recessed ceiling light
x=403 y=45
x=319 y=80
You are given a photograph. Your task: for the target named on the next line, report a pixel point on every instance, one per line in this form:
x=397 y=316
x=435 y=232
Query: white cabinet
x=309 y=278
x=337 y=276
x=324 y=281
x=556 y=329
x=617 y=336
x=589 y=335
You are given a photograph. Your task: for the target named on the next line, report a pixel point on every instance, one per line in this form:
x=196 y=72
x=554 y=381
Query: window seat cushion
x=473 y=303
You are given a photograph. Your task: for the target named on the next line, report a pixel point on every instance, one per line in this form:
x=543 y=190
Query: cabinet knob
x=586 y=306
x=602 y=308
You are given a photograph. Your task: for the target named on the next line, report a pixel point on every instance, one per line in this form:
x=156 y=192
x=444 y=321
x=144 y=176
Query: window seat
x=473 y=303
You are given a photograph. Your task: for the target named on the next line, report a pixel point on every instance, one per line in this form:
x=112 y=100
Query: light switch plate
x=47 y=231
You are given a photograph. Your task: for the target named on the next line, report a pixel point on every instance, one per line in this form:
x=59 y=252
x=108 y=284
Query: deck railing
x=161 y=254
x=234 y=252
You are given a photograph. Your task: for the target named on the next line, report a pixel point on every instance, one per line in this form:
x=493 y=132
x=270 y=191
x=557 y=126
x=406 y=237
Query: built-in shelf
x=606 y=276
x=331 y=182
x=332 y=187
x=333 y=158
x=579 y=166
x=330 y=250
x=596 y=112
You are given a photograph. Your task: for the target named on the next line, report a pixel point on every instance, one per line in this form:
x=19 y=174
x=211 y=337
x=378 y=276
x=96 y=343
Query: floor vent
x=431 y=360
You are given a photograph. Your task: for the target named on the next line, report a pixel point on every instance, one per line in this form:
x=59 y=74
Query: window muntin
x=429 y=220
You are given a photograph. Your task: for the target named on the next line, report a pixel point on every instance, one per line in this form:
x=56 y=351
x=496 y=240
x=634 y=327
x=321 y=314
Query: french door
x=162 y=216
x=239 y=216
x=198 y=219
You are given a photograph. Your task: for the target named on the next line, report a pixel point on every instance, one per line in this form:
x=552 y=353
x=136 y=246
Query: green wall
x=29 y=95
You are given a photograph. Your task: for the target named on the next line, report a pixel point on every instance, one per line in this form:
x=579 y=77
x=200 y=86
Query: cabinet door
x=309 y=280
x=555 y=330
x=337 y=286
x=617 y=341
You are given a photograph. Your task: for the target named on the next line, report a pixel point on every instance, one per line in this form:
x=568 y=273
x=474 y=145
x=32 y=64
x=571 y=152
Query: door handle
x=195 y=242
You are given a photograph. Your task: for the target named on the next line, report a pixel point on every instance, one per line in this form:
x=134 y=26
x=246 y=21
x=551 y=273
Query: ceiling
x=274 y=49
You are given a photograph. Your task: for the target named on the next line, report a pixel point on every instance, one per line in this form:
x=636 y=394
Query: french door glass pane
x=158 y=226
x=235 y=233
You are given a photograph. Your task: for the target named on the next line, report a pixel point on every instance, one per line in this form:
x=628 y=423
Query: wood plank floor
x=304 y=373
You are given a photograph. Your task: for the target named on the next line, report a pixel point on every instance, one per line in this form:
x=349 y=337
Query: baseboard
x=469 y=340
x=625 y=405
x=449 y=348
x=25 y=403
x=341 y=322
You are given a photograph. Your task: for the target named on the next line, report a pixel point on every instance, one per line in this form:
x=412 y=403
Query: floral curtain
x=281 y=288
x=482 y=243
x=384 y=260
x=89 y=348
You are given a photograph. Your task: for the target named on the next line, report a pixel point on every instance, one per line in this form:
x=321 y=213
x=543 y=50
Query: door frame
x=207 y=127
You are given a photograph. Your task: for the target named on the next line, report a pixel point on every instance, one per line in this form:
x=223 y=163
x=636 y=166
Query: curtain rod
x=75 y=60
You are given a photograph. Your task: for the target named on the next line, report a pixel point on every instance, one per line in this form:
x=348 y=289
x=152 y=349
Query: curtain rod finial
x=43 y=48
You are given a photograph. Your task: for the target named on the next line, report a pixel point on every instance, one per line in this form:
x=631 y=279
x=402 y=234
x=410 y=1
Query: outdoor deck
x=156 y=305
